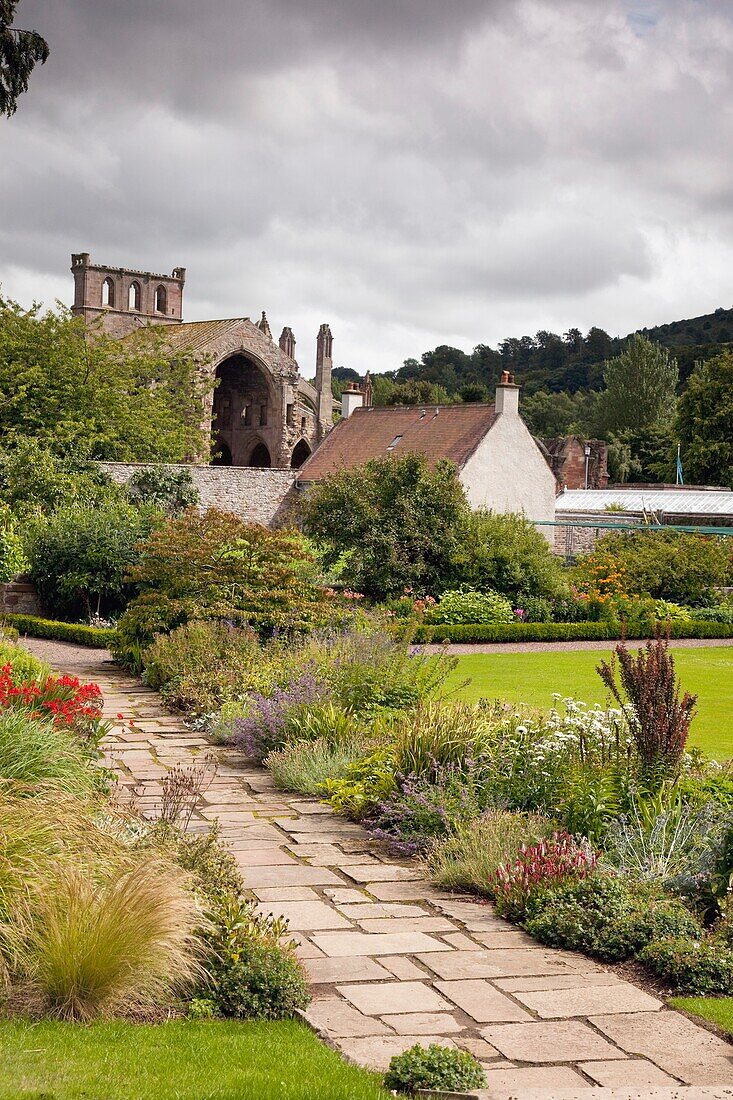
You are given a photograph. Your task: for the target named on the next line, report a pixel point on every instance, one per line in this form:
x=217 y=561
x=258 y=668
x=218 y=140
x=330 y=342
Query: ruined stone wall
x=19 y=596
x=255 y=495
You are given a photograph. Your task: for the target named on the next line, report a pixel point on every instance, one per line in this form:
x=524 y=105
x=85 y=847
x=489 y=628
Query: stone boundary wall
x=255 y=495
x=571 y=542
x=19 y=596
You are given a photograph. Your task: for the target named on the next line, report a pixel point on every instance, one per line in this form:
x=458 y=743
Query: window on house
x=161 y=300
x=394 y=442
x=133 y=297
x=263 y=415
x=108 y=293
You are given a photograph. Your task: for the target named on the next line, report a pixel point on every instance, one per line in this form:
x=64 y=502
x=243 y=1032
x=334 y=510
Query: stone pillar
x=324 y=367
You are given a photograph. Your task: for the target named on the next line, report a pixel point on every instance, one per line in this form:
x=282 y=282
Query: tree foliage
x=507 y=553
x=705 y=422
x=20 y=52
x=399 y=522
x=213 y=566
x=108 y=399
x=668 y=565
x=641 y=386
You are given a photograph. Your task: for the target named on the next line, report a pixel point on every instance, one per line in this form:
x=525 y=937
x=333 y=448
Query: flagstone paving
x=393 y=960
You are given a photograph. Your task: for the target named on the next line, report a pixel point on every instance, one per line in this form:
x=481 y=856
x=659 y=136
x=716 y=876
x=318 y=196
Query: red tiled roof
x=436 y=431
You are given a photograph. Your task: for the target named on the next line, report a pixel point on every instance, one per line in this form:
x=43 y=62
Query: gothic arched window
x=133 y=297
x=161 y=300
x=108 y=293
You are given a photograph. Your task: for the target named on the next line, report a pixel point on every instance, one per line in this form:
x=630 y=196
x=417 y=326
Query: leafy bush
x=250 y=975
x=692 y=965
x=399 y=520
x=722 y=614
x=658 y=718
x=538 y=868
x=24 y=666
x=306 y=766
x=506 y=553
x=442 y=1069
x=12 y=555
x=167 y=488
x=471 y=856
x=562 y=631
x=364 y=785
x=92 y=636
x=466 y=605
x=79 y=558
x=668 y=565
x=602 y=916
x=36 y=479
x=88 y=948
x=215 y=566
x=201 y=665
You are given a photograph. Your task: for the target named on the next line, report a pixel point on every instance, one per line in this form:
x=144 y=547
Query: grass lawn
x=533 y=677
x=718 y=1010
x=179 y=1060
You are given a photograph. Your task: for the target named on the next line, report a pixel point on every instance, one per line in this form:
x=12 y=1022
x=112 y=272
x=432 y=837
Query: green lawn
x=179 y=1060
x=718 y=1010
x=533 y=677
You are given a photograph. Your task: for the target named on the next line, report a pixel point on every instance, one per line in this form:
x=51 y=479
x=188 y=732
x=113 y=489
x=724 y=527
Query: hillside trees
x=105 y=399
x=705 y=422
x=641 y=386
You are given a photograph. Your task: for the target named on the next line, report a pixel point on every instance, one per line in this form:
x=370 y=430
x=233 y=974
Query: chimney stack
x=352 y=398
x=507 y=396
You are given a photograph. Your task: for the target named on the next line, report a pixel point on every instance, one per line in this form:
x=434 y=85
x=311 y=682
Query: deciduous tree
x=20 y=52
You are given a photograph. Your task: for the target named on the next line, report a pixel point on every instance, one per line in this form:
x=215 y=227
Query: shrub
x=421 y=809
x=508 y=554
x=201 y=665
x=682 y=567
x=215 y=875
x=658 y=718
x=466 y=605
x=438 y=1068
x=250 y=975
x=89 y=948
x=562 y=631
x=692 y=965
x=12 y=555
x=471 y=856
x=24 y=666
x=399 y=520
x=164 y=487
x=305 y=766
x=364 y=785
x=265 y=725
x=93 y=636
x=538 y=868
x=215 y=566
x=602 y=916
x=34 y=752
x=79 y=557
x=722 y=614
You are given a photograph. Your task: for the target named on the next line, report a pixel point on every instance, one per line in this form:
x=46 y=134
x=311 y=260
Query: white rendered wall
x=508 y=473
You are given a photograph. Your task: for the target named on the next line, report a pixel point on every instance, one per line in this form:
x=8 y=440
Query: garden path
x=394 y=961
x=461 y=649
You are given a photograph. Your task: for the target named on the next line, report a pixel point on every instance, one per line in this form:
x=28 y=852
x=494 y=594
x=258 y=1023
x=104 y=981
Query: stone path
x=394 y=961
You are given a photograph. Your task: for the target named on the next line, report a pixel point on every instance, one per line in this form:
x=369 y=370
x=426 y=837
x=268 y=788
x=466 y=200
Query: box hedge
x=92 y=636
x=560 y=632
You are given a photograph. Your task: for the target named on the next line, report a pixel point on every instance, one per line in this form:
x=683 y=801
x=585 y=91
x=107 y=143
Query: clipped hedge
x=93 y=636
x=560 y=632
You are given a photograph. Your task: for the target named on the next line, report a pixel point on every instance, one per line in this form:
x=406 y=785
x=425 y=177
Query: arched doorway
x=260 y=456
x=245 y=413
x=222 y=454
x=300 y=453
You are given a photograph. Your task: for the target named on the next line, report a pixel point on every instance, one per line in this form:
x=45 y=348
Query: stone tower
x=125 y=299
x=324 y=367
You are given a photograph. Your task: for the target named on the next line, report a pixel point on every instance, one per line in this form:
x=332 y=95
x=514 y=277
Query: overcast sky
x=415 y=172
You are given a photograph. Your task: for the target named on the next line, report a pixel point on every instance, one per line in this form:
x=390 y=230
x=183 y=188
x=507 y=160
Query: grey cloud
x=413 y=169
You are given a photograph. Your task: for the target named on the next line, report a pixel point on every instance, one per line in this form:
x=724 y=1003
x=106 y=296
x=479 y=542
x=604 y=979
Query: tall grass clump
x=35 y=752
x=306 y=765
x=470 y=858
x=86 y=948
x=444 y=734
